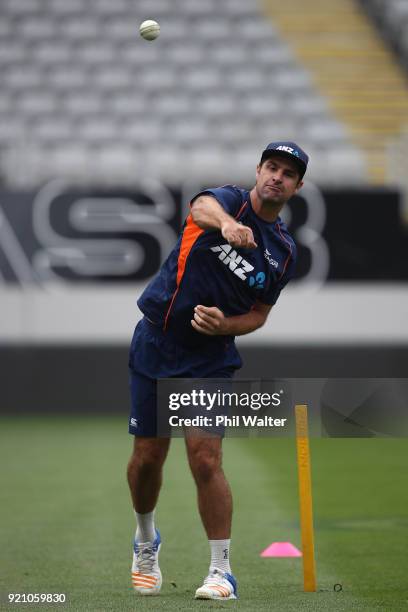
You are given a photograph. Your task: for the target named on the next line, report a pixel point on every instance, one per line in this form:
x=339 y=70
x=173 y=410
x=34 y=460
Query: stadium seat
x=210 y=29
x=80 y=28
x=307 y=107
x=135 y=55
x=52 y=52
x=140 y=131
x=253 y=30
x=324 y=133
x=99 y=128
x=260 y=107
x=157 y=80
x=112 y=77
x=291 y=82
x=94 y=53
x=11 y=132
x=232 y=130
x=272 y=55
x=158 y=8
x=241 y=8
x=186 y=54
x=62 y=7
x=83 y=103
x=37 y=103
x=171 y=104
x=22 y=7
x=52 y=129
x=70 y=158
x=10 y=52
x=202 y=80
x=67 y=78
x=119 y=29
x=187 y=130
x=6 y=104
x=20 y=77
x=37 y=28
x=107 y=8
x=216 y=105
x=243 y=78
x=126 y=104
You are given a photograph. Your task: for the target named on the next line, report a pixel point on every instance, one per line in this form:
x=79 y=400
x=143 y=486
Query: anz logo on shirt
x=238 y=265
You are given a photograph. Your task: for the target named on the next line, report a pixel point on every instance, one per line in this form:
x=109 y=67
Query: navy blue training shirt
x=204 y=269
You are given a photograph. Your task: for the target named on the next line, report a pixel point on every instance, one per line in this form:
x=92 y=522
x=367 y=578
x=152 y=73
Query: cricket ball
x=149 y=29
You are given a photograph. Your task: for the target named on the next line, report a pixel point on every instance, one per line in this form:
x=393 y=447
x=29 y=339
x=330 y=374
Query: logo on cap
x=288 y=150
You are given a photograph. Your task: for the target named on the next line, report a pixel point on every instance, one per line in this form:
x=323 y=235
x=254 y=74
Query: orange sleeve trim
x=191 y=233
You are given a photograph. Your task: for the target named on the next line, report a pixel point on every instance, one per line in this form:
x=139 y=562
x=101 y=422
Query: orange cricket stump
x=305 y=498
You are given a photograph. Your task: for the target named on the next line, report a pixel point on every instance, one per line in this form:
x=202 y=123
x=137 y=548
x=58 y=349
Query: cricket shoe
x=218 y=585
x=146 y=574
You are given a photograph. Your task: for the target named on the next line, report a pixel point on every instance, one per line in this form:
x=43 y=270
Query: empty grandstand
x=85 y=98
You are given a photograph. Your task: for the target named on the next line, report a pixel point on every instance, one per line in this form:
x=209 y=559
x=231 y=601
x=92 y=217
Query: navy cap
x=290 y=150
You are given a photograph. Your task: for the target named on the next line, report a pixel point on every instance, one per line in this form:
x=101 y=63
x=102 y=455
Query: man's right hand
x=238 y=235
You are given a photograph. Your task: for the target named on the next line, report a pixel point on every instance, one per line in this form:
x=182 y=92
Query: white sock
x=220 y=555
x=145 y=531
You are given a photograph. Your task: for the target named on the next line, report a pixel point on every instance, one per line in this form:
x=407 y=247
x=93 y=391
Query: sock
x=220 y=555
x=145 y=531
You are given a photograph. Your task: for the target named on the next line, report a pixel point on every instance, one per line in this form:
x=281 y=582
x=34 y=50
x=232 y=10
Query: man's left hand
x=209 y=320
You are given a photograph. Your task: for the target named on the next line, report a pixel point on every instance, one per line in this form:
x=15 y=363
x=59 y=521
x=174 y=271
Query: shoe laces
x=146 y=557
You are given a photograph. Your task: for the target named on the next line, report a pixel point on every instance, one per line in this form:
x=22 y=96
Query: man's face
x=277 y=180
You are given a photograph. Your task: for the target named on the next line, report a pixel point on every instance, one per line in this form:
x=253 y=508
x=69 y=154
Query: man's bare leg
x=215 y=506
x=144 y=473
x=213 y=491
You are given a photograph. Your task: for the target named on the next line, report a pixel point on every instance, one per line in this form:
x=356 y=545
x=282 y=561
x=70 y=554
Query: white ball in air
x=149 y=29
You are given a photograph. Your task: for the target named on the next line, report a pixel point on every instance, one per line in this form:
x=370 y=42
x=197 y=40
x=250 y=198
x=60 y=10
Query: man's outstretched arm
x=207 y=213
x=210 y=320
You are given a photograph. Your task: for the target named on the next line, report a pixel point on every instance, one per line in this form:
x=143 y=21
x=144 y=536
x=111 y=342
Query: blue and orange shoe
x=146 y=574
x=218 y=585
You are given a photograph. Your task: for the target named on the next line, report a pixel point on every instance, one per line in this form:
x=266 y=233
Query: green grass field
x=67 y=524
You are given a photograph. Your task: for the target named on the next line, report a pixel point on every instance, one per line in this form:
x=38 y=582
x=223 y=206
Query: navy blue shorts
x=155 y=354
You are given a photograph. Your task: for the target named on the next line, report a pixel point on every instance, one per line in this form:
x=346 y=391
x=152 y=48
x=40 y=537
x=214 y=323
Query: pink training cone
x=281 y=549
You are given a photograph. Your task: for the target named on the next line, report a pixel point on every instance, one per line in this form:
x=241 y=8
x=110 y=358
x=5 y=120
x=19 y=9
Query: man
x=226 y=271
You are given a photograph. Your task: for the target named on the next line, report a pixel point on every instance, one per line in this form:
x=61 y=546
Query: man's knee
x=148 y=454
x=205 y=460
